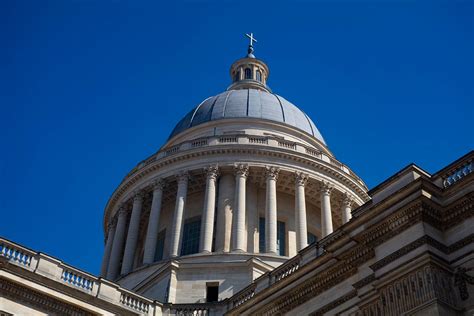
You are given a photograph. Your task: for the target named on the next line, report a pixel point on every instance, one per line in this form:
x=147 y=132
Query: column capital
x=241 y=170
x=301 y=178
x=325 y=187
x=111 y=224
x=122 y=210
x=271 y=173
x=347 y=199
x=212 y=171
x=158 y=184
x=183 y=176
x=138 y=195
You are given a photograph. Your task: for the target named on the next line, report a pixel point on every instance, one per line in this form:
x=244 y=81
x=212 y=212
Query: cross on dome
x=252 y=39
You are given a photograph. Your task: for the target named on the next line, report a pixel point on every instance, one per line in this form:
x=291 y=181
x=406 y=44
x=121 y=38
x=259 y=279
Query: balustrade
x=134 y=302
x=77 y=279
x=458 y=174
x=16 y=254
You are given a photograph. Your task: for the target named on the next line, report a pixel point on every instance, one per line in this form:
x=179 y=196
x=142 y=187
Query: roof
x=248 y=103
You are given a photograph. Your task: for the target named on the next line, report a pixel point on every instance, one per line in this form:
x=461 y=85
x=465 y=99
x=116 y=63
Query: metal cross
x=252 y=39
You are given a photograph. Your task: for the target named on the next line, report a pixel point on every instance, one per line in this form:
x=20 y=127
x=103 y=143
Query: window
x=281 y=240
x=212 y=292
x=248 y=73
x=237 y=76
x=259 y=75
x=191 y=231
x=160 y=244
x=312 y=238
x=281 y=236
x=261 y=234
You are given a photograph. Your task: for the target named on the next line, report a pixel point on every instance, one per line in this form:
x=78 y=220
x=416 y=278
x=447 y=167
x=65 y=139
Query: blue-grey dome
x=248 y=103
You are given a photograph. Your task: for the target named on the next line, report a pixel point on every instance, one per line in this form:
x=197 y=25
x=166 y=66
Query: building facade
x=245 y=210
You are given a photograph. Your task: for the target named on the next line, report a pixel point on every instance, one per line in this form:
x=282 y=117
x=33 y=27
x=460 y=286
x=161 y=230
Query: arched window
x=259 y=75
x=248 y=73
x=237 y=76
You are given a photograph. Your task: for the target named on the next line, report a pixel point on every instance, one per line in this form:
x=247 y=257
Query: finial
x=250 y=50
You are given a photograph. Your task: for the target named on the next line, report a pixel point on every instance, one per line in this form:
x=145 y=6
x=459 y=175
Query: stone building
x=245 y=210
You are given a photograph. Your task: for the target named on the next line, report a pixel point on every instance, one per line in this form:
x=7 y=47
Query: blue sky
x=90 y=88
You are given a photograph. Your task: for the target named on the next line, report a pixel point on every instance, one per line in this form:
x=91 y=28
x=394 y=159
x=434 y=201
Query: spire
x=249 y=72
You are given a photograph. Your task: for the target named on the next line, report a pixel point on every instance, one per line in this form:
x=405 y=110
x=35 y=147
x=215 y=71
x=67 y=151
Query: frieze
x=334 y=304
x=135 y=175
x=367 y=280
x=38 y=300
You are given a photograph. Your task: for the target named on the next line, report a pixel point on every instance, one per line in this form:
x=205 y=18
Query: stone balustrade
x=242 y=296
x=285 y=269
x=458 y=174
x=78 y=279
x=16 y=254
x=268 y=141
x=98 y=287
x=56 y=270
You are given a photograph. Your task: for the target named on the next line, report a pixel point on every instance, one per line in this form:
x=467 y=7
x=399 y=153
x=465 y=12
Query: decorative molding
x=212 y=172
x=271 y=173
x=182 y=177
x=158 y=184
x=43 y=302
x=326 y=308
x=365 y=281
x=325 y=187
x=241 y=170
x=301 y=178
x=347 y=199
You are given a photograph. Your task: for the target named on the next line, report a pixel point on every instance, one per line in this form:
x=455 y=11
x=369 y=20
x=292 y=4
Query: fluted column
x=224 y=212
x=238 y=233
x=326 y=217
x=153 y=222
x=207 y=222
x=271 y=175
x=132 y=235
x=117 y=245
x=108 y=248
x=346 y=207
x=177 y=226
x=300 y=211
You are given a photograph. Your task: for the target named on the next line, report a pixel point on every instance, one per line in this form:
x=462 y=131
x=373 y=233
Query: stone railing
x=56 y=270
x=78 y=279
x=198 y=309
x=135 y=302
x=244 y=139
x=16 y=254
x=285 y=269
x=243 y=296
x=458 y=173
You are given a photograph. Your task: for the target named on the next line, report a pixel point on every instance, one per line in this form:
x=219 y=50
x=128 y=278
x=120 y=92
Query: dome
x=248 y=103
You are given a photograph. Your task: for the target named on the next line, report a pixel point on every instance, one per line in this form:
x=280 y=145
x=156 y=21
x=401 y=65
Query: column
x=117 y=245
x=271 y=174
x=326 y=218
x=207 y=222
x=346 y=207
x=177 y=226
x=300 y=211
x=241 y=173
x=224 y=212
x=132 y=235
x=108 y=247
x=153 y=222
x=252 y=217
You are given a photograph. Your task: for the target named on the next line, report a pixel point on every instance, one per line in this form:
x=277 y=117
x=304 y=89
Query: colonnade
x=231 y=199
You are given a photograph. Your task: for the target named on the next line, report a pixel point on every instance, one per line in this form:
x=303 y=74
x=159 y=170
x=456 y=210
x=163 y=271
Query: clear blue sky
x=90 y=88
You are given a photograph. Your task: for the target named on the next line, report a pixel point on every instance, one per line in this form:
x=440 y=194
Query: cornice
x=274 y=152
